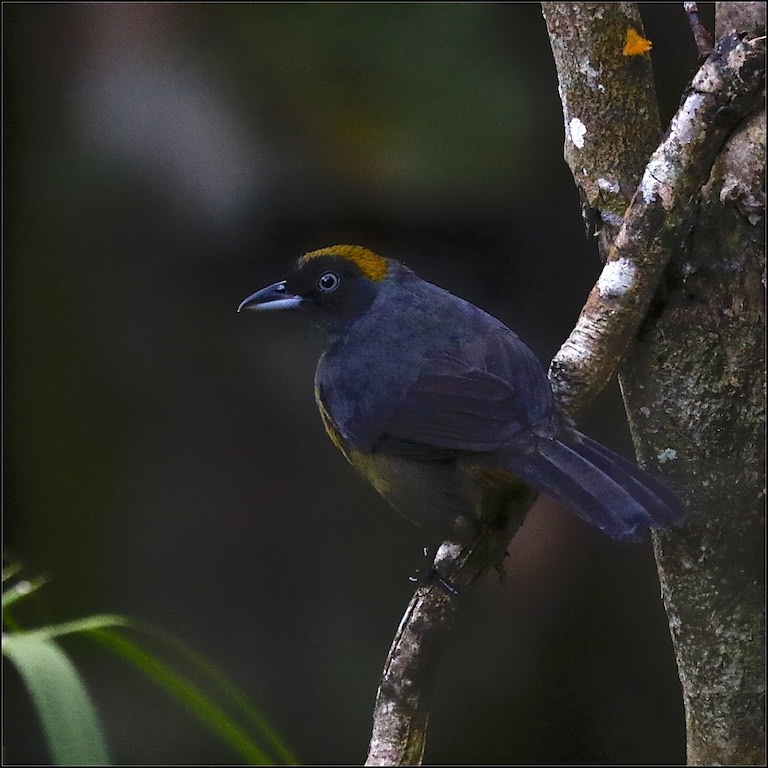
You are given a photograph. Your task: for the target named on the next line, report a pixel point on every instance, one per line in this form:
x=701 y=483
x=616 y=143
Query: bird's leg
x=431 y=574
x=422 y=573
x=500 y=569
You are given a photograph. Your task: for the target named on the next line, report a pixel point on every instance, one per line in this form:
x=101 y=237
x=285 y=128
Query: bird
x=444 y=410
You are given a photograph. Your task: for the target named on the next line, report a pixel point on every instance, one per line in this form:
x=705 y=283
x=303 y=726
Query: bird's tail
x=601 y=487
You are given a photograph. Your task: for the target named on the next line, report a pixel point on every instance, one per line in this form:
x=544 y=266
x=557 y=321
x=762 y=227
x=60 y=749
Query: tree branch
x=726 y=89
x=401 y=711
x=610 y=112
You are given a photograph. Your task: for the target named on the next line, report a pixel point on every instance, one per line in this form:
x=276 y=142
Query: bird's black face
x=333 y=287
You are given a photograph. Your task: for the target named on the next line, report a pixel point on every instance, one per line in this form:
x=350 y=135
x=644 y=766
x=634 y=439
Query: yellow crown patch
x=373 y=266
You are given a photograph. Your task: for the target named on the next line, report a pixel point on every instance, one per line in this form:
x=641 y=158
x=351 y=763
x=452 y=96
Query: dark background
x=163 y=456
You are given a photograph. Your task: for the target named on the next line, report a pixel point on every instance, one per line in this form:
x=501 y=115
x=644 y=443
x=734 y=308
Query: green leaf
x=102 y=628
x=227 y=687
x=19 y=590
x=11 y=570
x=186 y=693
x=98 y=621
x=71 y=726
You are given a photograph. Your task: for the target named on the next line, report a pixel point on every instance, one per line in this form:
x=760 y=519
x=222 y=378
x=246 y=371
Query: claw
x=425 y=575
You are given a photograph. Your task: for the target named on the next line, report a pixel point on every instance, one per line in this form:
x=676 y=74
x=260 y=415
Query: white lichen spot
x=577 y=131
x=617 y=277
x=578 y=346
x=608 y=186
x=667 y=163
x=688 y=269
x=666 y=454
x=448 y=550
x=591 y=75
x=610 y=218
x=654 y=183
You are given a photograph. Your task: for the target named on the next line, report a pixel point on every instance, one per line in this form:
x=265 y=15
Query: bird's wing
x=490 y=393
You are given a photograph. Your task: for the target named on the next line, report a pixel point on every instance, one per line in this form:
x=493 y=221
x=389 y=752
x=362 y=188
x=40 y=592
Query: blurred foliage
x=387 y=92
x=73 y=731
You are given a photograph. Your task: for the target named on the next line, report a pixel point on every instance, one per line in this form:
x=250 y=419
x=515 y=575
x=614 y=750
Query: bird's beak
x=272 y=297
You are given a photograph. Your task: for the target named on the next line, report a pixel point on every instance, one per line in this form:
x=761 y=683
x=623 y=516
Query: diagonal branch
x=401 y=711
x=726 y=89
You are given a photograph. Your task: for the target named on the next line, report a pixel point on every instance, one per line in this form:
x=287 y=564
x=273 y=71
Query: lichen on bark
x=693 y=383
x=694 y=376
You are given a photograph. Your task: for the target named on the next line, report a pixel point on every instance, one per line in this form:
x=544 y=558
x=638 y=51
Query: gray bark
x=693 y=385
x=693 y=380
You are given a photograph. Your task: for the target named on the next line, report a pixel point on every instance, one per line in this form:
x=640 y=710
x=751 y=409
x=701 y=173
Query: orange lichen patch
x=636 y=44
x=373 y=266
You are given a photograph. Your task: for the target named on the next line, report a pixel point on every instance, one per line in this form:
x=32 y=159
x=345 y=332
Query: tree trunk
x=693 y=385
x=693 y=380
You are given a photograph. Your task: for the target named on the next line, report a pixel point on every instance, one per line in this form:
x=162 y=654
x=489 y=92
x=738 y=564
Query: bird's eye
x=328 y=282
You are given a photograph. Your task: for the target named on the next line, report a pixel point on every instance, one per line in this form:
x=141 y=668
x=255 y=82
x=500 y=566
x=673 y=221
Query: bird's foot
x=430 y=574
x=500 y=569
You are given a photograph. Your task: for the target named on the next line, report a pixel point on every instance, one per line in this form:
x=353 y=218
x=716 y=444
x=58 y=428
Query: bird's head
x=336 y=284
